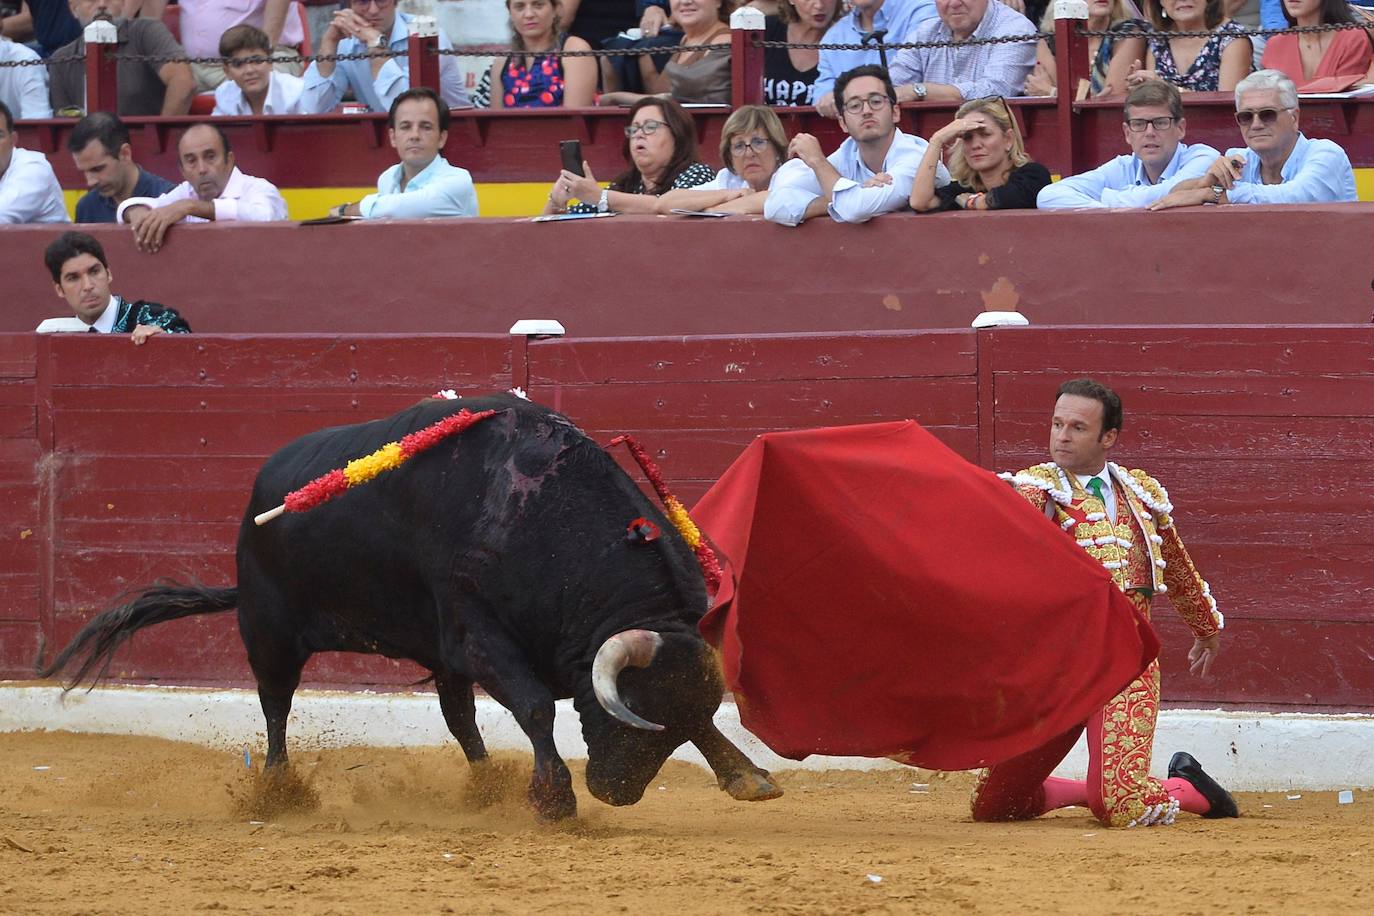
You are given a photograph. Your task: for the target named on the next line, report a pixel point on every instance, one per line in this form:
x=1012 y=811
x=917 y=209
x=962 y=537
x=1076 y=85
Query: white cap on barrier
x=1001 y=320
x=100 y=32
x=69 y=324
x=749 y=19
x=428 y=26
x=1070 y=9
x=537 y=327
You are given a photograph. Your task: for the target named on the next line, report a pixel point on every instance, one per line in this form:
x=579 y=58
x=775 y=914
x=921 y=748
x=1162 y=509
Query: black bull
x=500 y=556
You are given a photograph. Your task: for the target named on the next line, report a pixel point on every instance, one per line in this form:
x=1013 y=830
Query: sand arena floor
x=100 y=824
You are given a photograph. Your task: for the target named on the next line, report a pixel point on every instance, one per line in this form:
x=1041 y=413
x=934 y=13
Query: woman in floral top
x=1212 y=64
x=531 y=77
x=661 y=151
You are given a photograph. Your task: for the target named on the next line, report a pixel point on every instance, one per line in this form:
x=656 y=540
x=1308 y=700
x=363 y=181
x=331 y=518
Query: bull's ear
x=630 y=648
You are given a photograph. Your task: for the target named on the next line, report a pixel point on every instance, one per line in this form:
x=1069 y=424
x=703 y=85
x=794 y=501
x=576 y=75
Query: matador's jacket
x=1145 y=556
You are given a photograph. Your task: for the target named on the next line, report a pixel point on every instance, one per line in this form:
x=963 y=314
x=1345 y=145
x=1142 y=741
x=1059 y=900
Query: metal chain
x=674 y=49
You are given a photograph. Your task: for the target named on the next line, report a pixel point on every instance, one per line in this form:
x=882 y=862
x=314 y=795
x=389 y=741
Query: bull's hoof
x=752 y=785
x=551 y=810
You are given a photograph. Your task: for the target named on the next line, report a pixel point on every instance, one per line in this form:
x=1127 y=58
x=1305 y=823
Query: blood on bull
x=511 y=554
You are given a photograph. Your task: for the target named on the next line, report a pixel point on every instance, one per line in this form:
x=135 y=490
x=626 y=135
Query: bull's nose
x=616 y=792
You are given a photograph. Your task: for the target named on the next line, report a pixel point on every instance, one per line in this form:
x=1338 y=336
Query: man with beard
x=162 y=85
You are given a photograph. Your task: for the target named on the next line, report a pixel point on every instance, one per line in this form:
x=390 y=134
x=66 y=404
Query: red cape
x=893 y=600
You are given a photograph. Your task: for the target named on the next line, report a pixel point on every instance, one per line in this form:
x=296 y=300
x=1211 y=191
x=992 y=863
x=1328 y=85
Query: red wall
x=655 y=276
x=131 y=463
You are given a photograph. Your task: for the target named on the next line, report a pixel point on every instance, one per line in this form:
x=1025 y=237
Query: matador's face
x=1078 y=443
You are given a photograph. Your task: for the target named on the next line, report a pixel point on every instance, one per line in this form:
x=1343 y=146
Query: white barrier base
x=1244 y=751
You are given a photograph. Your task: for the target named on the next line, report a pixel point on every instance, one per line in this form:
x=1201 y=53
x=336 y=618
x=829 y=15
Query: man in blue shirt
x=898 y=17
x=373 y=27
x=1153 y=125
x=1277 y=165
x=100 y=147
x=422 y=184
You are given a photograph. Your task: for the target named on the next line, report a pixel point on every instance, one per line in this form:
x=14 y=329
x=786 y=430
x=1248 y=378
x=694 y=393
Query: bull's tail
x=94 y=647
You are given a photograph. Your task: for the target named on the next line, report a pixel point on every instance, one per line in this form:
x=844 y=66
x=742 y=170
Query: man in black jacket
x=81 y=275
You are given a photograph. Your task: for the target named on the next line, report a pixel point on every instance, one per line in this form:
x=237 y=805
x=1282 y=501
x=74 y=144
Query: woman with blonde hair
x=753 y=145
x=989 y=168
x=1109 y=56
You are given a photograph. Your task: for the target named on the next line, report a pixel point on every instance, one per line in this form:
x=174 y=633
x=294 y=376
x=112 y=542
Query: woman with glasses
x=533 y=77
x=1109 y=56
x=988 y=166
x=1334 y=61
x=661 y=152
x=696 y=77
x=752 y=145
x=1212 y=64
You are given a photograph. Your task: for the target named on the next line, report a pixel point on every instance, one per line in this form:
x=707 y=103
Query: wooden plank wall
x=154 y=453
x=1264 y=437
x=1262 y=434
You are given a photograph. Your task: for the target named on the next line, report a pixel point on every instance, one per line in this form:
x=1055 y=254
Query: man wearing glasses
x=871 y=173
x=372 y=27
x=1277 y=165
x=1153 y=125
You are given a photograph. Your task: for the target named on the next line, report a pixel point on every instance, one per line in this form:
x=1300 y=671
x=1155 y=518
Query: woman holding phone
x=661 y=152
x=532 y=77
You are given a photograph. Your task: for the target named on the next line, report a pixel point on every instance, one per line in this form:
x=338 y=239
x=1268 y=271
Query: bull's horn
x=631 y=647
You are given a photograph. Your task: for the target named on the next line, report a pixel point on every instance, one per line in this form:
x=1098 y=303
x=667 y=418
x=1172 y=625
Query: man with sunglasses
x=1153 y=125
x=871 y=173
x=1278 y=164
x=375 y=28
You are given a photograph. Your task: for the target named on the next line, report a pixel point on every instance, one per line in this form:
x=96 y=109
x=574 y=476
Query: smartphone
x=571 y=151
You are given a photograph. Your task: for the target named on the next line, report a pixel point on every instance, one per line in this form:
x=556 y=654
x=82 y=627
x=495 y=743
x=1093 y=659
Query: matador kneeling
x=1122 y=519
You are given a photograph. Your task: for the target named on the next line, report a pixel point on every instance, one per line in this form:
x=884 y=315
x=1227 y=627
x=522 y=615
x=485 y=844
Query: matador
x=1123 y=519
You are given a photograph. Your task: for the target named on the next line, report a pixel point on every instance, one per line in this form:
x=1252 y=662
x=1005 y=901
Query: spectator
x=661 y=151
x=1153 y=124
x=696 y=77
x=23 y=87
x=255 y=86
x=530 y=77
x=790 y=74
x=162 y=86
x=1343 y=62
x=214 y=189
x=1109 y=57
x=897 y=18
x=204 y=22
x=753 y=146
x=49 y=23
x=100 y=147
x=81 y=275
x=1278 y=165
x=988 y=168
x=847 y=184
x=1212 y=64
x=29 y=192
x=422 y=184
x=373 y=27
x=596 y=21
x=953 y=74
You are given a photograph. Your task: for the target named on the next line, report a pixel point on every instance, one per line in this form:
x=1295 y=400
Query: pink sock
x=1189 y=798
x=1064 y=793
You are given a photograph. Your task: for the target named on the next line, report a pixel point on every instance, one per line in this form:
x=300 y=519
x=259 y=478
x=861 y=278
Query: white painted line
x=1244 y=751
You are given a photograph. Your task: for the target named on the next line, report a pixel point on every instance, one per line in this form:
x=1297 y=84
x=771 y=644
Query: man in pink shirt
x=204 y=21
x=214 y=189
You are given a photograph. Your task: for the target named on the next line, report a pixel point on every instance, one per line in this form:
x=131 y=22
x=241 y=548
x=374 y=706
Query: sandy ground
x=99 y=824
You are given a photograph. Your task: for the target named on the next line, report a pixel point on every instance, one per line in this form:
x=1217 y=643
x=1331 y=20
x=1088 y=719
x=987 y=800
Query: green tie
x=1095 y=486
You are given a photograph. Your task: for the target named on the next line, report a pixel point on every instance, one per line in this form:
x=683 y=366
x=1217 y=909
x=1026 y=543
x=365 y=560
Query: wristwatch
x=604 y=204
x=920 y=90
x=377 y=43
x=1217 y=191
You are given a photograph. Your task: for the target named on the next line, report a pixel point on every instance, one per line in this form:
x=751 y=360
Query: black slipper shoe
x=1185 y=766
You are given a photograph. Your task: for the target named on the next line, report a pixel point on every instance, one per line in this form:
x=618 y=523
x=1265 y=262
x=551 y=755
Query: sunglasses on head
x=1246 y=117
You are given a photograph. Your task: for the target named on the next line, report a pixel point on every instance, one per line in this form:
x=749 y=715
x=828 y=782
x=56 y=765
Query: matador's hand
x=1203 y=653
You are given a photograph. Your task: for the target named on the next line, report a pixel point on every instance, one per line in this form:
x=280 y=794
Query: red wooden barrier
x=130 y=463
x=653 y=276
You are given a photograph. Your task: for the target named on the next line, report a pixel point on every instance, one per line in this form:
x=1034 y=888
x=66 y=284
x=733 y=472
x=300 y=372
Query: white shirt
x=244 y=198
x=439 y=190
x=105 y=323
x=725 y=180
x=283 y=97
x=795 y=186
x=1316 y=171
x=24 y=90
x=1108 y=490
x=29 y=192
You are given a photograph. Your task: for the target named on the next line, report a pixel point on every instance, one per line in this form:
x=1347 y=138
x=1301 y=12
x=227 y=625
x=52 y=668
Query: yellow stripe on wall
x=508 y=198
